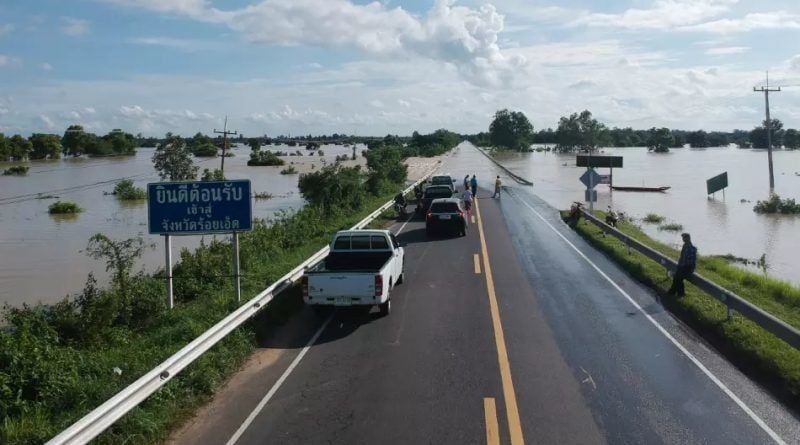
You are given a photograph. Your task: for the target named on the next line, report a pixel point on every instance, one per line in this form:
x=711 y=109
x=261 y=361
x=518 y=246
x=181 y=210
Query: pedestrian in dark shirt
x=686 y=265
x=474 y=185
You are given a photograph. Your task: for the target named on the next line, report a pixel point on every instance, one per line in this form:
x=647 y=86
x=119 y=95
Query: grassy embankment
x=57 y=362
x=770 y=360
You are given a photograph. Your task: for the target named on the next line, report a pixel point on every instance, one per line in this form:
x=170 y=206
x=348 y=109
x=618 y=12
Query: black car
x=446 y=215
x=431 y=193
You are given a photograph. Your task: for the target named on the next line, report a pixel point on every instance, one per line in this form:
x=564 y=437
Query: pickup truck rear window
x=359 y=242
x=445 y=207
x=379 y=242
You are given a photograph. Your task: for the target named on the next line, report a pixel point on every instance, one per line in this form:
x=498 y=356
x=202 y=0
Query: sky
x=297 y=67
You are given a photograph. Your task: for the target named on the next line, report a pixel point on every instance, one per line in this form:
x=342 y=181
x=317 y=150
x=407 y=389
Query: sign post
x=199 y=208
x=590 y=179
x=717 y=183
x=168 y=270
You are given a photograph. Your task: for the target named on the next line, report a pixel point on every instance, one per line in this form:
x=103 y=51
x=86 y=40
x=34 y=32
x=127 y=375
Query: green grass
x=64 y=208
x=64 y=355
x=764 y=356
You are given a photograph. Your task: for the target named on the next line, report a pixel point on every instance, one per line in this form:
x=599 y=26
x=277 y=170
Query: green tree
x=121 y=143
x=791 y=139
x=511 y=130
x=660 y=140
x=19 y=147
x=5 y=148
x=96 y=146
x=45 y=145
x=697 y=139
x=580 y=131
x=73 y=140
x=758 y=136
x=334 y=187
x=254 y=143
x=120 y=256
x=385 y=168
x=173 y=160
x=215 y=175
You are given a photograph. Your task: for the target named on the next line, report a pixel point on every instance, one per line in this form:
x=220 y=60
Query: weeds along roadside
x=58 y=362
x=766 y=358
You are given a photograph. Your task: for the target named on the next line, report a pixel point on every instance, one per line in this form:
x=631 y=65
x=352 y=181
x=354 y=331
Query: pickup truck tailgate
x=336 y=288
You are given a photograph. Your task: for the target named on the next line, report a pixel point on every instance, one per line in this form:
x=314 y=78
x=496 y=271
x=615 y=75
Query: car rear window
x=360 y=242
x=438 y=192
x=342 y=243
x=441 y=180
x=379 y=242
x=444 y=207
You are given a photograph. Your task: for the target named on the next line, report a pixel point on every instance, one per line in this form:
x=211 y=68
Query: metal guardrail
x=513 y=175
x=733 y=302
x=102 y=417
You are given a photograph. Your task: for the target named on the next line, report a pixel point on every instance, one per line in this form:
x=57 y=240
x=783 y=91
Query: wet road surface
x=521 y=333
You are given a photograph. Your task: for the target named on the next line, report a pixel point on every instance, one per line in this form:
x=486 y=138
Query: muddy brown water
x=719 y=225
x=42 y=256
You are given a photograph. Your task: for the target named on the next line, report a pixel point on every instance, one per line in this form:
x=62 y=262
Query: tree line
x=581 y=131
x=74 y=142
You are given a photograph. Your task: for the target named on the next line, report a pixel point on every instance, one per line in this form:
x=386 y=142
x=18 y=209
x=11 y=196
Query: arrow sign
x=590 y=178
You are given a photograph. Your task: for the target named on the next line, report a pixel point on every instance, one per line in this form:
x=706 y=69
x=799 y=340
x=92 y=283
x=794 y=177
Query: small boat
x=640 y=189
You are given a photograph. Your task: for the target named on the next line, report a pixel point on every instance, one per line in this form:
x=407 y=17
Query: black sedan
x=446 y=215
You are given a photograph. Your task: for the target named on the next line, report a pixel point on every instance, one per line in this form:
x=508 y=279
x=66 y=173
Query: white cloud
x=376 y=103
x=47 y=121
x=463 y=36
x=187 y=45
x=6 y=29
x=3 y=110
x=725 y=50
x=89 y=110
x=664 y=14
x=46 y=66
x=404 y=103
x=75 y=27
x=9 y=61
x=750 y=22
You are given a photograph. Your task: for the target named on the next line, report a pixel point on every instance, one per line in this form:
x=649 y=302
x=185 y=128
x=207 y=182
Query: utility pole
x=225 y=134
x=766 y=90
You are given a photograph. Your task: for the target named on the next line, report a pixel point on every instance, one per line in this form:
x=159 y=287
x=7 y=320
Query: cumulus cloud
x=750 y=22
x=404 y=103
x=725 y=50
x=181 y=44
x=47 y=121
x=74 y=27
x=462 y=36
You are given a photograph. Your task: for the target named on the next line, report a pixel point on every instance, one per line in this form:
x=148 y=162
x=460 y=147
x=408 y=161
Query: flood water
x=718 y=226
x=41 y=256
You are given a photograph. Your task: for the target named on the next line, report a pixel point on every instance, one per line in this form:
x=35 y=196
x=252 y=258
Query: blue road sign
x=194 y=208
x=590 y=178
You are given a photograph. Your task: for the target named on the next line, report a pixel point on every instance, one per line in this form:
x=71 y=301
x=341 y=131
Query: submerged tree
x=173 y=160
x=511 y=130
x=660 y=140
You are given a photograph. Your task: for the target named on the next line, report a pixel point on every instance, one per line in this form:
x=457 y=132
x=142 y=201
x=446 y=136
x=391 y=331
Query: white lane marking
x=669 y=336
x=277 y=384
x=404 y=224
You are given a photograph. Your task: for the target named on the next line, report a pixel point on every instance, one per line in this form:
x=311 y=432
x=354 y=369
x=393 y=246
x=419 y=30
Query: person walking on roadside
x=466 y=182
x=474 y=185
x=467 y=198
x=686 y=265
x=497 y=184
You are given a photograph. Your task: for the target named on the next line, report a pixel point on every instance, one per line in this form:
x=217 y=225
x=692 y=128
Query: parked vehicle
x=446 y=180
x=446 y=215
x=431 y=193
x=362 y=268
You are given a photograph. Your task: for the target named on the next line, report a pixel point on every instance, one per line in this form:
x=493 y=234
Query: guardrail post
x=168 y=270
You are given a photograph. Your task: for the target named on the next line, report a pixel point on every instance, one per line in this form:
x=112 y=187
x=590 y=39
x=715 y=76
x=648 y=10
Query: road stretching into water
x=519 y=332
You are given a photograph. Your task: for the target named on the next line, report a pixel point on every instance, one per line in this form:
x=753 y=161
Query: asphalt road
x=521 y=333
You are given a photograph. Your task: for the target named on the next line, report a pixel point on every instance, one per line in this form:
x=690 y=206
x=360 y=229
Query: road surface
x=519 y=332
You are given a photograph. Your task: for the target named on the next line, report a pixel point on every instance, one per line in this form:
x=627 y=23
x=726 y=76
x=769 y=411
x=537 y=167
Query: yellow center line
x=514 y=425
x=477 y=260
x=492 y=430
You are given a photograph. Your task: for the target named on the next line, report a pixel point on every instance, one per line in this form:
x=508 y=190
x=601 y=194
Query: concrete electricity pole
x=225 y=134
x=766 y=90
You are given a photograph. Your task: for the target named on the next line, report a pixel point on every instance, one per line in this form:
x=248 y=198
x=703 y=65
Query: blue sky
x=323 y=66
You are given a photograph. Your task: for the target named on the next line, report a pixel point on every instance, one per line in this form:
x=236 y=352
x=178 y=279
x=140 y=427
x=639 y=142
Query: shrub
x=215 y=175
x=671 y=227
x=777 y=205
x=126 y=191
x=264 y=158
x=17 y=170
x=653 y=218
x=61 y=208
x=334 y=186
x=290 y=170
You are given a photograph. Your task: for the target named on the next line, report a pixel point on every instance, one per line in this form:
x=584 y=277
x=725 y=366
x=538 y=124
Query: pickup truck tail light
x=378 y=285
x=429 y=215
x=304 y=285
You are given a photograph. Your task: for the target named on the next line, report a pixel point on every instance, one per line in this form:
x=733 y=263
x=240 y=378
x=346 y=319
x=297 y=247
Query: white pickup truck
x=361 y=269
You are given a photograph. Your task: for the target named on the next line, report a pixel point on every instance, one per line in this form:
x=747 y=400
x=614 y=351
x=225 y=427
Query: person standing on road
x=686 y=265
x=497 y=184
x=466 y=182
x=474 y=184
x=467 y=198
